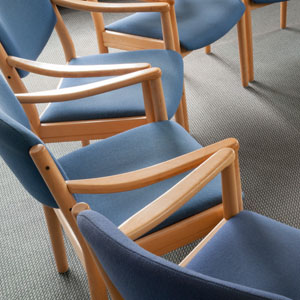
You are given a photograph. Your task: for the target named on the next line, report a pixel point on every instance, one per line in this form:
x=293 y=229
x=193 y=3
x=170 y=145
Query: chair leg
x=85 y=143
x=97 y=286
x=208 y=49
x=249 y=43
x=57 y=239
x=181 y=115
x=283 y=14
x=243 y=51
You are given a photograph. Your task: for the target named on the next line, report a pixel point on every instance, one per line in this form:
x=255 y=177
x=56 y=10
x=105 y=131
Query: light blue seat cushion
x=200 y=22
x=254 y=251
x=268 y=1
x=25 y=27
x=138 y=274
x=138 y=148
x=126 y=102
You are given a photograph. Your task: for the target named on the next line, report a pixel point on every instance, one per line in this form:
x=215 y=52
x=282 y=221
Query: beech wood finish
x=249 y=7
x=110 y=39
x=222 y=161
x=84 y=130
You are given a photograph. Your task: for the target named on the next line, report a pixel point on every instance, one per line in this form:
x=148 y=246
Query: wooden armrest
x=91 y=89
x=165 y=205
x=113 y=7
x=74 y=71
x=150 y=175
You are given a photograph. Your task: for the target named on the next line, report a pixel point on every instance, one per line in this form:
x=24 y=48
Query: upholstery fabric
x=268 y=1
x=16 y=139
x=141 y=147
x=126 y=102
x=138 y=274
x=200 y=22
x=25 y=27
x=254 y=251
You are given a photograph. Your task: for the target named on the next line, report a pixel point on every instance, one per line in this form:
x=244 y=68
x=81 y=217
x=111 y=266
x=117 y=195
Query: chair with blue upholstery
x=25 y=29
x=247 y=256
x=118 y=176
x=195 y=24
x=251 y=5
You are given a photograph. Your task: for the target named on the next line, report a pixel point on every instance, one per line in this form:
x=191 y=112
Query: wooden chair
x=251 y=5
x=245 y=257
x=24 y=31
x=195 y=24
x=117 y=176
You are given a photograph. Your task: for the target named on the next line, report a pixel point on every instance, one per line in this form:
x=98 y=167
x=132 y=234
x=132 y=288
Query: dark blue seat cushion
x=200 y=22
x=142 y=147
x=126 y=102
x=254 y=251
x=138 y=274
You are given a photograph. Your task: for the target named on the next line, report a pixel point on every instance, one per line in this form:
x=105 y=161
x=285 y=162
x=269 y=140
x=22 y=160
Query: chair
x=251 y=5
x=195 y=24
x=117 y=176
x=25 y=29
x=246 y=256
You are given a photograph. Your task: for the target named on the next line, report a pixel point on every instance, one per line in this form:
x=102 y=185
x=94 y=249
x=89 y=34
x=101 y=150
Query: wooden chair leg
x=97 y=286
x=243 y=51
x=283 y=14
x=208 y=49
x=249 y=44
x=57 y=239
x=85 y=143
x=181 y=115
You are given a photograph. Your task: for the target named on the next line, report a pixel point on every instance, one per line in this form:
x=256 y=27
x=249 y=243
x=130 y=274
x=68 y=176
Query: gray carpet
x=264 y=118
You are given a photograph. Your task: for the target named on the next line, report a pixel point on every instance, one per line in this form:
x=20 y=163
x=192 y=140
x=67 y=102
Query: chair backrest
x=138 y=274
x=16 y=139
x=25 y=27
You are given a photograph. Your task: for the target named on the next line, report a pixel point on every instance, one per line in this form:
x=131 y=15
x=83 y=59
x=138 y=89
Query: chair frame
x=224 y=161
x=249 y=7
x=107 y=38
x=159 y=242
x=96 y=9
x=84 y=130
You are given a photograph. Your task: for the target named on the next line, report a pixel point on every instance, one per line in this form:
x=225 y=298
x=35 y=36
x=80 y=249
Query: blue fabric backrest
x=138 y=274
x=16 y=139
x=25 y=27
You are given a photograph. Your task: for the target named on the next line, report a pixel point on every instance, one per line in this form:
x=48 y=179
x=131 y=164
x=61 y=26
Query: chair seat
x=200 y=22
x=138 y=148
x=126 y=102
x=254 y=251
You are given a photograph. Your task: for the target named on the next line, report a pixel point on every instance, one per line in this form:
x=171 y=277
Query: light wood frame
x=249 y=7
x=84 y=130
x=224 y=161
x=159 y=242
x=163 y=7
x=110 y=39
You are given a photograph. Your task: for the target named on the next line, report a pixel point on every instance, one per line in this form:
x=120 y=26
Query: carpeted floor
x=264 y=117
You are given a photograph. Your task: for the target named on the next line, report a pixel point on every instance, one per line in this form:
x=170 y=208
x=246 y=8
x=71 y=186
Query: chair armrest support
x=150 y=175
x=91 y=89
x=113 y=7
x=165 y=205
x=56 y=70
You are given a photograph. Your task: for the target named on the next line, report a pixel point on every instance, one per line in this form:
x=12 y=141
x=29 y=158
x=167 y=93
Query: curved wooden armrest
x=74 y=71
x=91 y=89
x=171 y=2
x=113 y=7
x=150 y=175
x=165 y=205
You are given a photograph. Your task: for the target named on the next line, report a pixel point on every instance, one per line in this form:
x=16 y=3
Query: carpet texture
x=264 y=117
